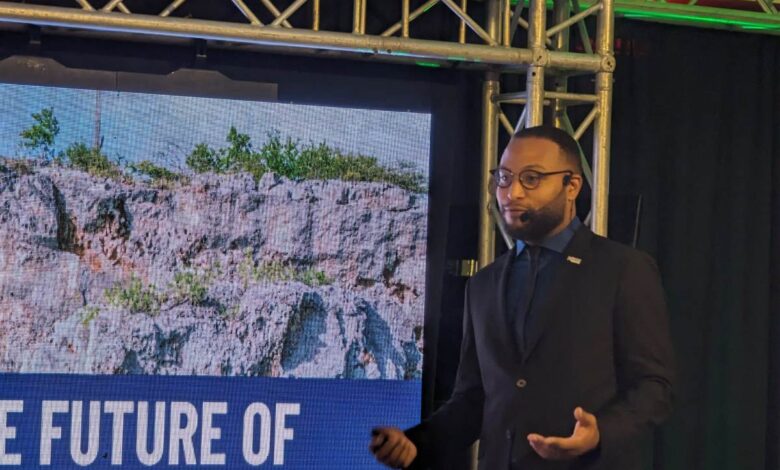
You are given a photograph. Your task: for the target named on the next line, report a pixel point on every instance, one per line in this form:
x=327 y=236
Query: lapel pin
x=574 y=260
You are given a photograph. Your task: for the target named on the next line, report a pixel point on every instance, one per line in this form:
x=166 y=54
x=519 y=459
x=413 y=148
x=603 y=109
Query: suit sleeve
x=644 y=358
x=458 y=422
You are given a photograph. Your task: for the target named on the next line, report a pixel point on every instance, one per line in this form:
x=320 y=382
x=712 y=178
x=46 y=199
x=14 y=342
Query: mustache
x=508 y=208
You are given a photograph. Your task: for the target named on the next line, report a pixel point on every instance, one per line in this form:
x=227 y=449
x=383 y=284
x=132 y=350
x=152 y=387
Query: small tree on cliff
x=40 y=136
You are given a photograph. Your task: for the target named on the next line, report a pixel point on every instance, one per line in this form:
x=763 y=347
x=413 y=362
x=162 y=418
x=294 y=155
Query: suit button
x=521 y=383
x=508 y=434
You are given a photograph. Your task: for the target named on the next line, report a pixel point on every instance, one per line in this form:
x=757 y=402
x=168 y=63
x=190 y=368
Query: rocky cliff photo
x=219 y=275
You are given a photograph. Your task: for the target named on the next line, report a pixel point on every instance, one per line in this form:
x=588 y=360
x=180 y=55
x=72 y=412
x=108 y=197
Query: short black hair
x=566 y=142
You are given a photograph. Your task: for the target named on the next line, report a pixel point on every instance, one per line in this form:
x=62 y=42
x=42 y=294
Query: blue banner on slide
x=75 y=421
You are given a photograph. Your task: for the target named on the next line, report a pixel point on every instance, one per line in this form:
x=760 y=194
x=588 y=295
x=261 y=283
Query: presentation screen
x=191 y=281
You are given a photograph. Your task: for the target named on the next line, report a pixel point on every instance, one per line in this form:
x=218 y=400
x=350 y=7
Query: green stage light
x=688 y=15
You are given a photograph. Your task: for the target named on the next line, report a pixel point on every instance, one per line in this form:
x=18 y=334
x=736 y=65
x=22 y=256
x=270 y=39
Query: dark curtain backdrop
x=696 y=132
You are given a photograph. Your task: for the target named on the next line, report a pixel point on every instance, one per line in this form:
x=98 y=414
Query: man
x=566 y=359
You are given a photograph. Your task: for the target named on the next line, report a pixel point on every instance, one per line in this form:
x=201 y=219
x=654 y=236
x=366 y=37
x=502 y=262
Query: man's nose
x=516 y=190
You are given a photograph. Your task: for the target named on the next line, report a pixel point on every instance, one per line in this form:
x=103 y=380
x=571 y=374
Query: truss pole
x=521 y=121
x=405 y=18
x=356 y=16
x=247 y=12
x=490 y=120
x=490 y=123
x=574 y=19
x=170 y=8
x=315 y=15
x=412 y=16
x=515 y=20
x=274 y=11
x=601 y=131
x=363 y=13
x=403 y=49
x=584 y=36
x=111 y=5
x=472 y=24
x=561 y=14
x=506 y=26
x=535 y=74
x=505 y=122
x=85 y=5
x=288 y=12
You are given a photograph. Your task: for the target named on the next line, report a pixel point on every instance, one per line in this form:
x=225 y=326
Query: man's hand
x=391 y=447
x=584 y=438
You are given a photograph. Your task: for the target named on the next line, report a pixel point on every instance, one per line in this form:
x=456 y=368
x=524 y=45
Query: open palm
x=584 y=438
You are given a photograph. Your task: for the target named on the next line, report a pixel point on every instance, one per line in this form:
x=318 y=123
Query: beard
x=541 y=221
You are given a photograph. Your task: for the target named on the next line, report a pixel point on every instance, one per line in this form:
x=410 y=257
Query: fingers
x=409 y=454
x=541 y=446
x=387 y=448
x=554 y=448
x=398 y=456
x=376 y=441
x=583 y=417
x=561 y=443
x=392 y=448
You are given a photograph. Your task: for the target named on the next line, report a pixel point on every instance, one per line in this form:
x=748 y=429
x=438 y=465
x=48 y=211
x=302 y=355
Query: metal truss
x=546 y=94
x=279 y=32
x=751 y=16
x=487 y=44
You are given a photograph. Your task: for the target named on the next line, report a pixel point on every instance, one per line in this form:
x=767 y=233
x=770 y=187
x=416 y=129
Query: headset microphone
x=529 y=214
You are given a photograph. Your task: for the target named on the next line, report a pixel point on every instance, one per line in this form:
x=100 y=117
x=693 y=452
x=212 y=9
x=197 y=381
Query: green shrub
x=240 y=148
x=314 y=278
x=203 y=159
x=277 y=271
x=158 y=175
x=206 y=159
x=88 y=314
x=191 y=287
x=40 y=136
x=241 y=158
x=282 y=157
x=288 y=158
x=135 y=296
x=92 y=160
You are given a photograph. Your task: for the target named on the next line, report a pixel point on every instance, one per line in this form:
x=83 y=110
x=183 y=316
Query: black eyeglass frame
x=539 y=174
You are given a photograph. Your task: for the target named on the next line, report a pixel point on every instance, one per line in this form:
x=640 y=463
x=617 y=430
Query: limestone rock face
x=219 y=276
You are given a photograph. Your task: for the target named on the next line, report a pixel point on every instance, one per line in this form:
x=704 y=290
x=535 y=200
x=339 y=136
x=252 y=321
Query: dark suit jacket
x=602 y=343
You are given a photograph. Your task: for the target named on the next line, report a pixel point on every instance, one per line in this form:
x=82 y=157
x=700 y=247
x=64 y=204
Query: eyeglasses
x=529 y=179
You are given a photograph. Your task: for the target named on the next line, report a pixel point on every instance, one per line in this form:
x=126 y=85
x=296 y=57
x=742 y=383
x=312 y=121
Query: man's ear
x=574 y=186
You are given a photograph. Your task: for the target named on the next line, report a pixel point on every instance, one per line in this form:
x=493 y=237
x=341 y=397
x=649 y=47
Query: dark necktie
x=525 y=308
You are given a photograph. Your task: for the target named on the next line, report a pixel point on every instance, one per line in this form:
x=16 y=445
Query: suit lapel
x=575 y=256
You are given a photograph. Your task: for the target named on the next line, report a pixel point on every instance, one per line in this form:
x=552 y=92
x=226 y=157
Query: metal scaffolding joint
x=608 y=63
x=540 y=57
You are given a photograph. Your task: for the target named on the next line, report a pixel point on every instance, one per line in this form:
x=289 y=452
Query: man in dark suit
x=566 y=359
